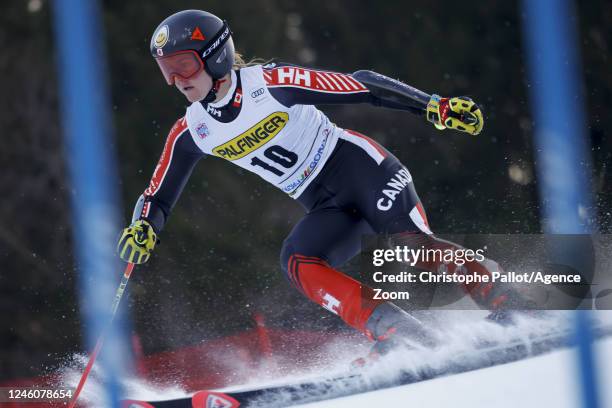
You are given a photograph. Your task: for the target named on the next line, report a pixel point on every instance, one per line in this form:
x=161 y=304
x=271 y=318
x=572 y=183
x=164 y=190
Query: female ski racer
x=264 y=119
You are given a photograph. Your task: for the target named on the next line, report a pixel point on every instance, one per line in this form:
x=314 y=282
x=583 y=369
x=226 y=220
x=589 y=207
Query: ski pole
x=96 y=350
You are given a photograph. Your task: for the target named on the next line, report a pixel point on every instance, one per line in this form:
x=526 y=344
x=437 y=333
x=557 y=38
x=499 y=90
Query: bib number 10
x=278 y=155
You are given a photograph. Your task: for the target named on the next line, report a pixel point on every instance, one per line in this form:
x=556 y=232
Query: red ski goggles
x=182 y=64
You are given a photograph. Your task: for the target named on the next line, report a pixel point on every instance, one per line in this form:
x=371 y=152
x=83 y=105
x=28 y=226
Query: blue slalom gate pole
x=561 y=140
x=561 y=143
x=88 y=145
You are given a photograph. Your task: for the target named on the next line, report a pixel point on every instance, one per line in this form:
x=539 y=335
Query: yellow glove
x=137 y=242
x=460 y=113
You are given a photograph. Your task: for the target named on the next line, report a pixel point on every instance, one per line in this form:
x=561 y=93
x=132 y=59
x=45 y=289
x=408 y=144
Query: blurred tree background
x=218 y=260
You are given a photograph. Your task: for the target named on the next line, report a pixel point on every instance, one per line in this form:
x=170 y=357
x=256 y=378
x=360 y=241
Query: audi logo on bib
x=257 y=92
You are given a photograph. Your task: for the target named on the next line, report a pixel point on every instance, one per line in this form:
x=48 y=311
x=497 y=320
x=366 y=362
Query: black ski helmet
x=200 y=32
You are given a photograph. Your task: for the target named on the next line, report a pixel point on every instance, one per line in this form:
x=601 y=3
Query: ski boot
x=511 y=304
x=392 y=328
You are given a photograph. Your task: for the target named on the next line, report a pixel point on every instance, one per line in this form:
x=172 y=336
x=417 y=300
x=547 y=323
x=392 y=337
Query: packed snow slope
x=543 y=380
x=550 y=380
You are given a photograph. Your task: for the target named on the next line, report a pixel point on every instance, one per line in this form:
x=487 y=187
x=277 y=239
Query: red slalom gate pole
x=96 y=350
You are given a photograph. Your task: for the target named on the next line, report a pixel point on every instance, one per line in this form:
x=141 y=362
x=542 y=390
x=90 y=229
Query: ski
x=276 y=396
x=323 y=388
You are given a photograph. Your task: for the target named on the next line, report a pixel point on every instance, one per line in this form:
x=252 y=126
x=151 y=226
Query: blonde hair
x=239 y=61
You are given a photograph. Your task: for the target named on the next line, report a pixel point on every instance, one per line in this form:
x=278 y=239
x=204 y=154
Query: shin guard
x=333 y=290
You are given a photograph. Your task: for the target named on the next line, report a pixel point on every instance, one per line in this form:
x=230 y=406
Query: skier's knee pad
x=289 y=251
x=286 y=252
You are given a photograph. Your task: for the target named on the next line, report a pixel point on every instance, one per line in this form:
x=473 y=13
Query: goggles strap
x=218 y=41
x=212 y=94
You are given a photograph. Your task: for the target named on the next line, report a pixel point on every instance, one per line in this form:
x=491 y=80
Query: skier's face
x=196 y=87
